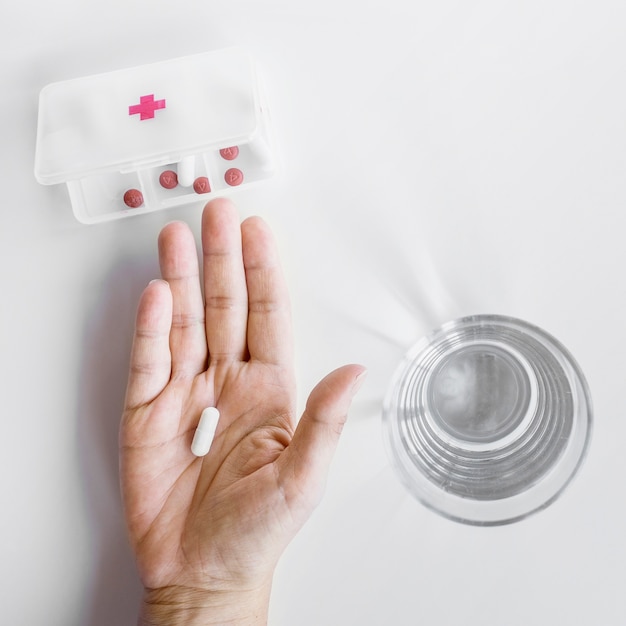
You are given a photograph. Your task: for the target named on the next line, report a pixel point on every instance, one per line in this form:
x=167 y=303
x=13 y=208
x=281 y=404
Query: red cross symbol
x=146 y=107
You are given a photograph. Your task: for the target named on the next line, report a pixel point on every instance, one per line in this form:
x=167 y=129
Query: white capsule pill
x=186 y=171
x=261 y=152
x=203 y=437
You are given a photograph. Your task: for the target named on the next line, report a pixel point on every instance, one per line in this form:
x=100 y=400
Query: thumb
x=313 y=445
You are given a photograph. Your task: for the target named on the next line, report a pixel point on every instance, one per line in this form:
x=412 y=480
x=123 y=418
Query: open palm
x=221 y=522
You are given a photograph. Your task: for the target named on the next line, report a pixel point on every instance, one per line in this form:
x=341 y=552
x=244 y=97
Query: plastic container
x=200 y=117
x=487 y=420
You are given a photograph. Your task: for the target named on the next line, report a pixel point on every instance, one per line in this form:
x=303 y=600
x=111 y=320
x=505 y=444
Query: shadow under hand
x=114 y=590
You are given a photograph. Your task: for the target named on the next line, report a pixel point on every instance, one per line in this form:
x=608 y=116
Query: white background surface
x=439 y=159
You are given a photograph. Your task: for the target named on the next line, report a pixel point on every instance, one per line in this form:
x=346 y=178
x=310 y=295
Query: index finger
x=269 y=312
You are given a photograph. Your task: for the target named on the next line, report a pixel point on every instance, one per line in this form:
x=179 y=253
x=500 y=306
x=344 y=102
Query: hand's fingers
x=269 y=316
x=150 y=361
x=225 y=290
x=179 y=267
x=308 y=456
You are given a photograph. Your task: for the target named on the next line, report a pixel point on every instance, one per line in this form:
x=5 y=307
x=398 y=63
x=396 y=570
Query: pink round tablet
x=201 y=185
x=133 y=198
x=229 y=153
x=168 y=179
x=233 y=177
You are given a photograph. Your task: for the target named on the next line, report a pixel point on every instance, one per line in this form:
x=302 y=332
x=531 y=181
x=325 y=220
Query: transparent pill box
x=156 y=136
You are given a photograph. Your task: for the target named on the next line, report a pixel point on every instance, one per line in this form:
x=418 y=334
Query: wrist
x=171 y=606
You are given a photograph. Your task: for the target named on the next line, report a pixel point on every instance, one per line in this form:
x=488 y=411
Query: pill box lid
x=145 y=116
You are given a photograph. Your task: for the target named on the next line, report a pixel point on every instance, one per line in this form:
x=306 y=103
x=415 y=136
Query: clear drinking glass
x=487 y=420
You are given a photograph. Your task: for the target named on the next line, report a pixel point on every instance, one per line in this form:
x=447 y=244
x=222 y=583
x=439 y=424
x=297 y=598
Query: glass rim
x=429 y=475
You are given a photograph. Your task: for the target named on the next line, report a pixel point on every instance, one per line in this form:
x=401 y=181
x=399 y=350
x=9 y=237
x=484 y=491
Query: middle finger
x=225 y=291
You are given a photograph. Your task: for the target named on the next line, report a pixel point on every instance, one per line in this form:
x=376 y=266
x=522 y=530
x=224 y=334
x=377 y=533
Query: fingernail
x=358 y=381
x=157 y=280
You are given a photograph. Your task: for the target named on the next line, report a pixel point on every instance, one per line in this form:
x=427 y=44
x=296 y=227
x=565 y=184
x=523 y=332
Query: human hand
x=207 y=532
